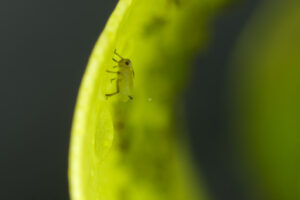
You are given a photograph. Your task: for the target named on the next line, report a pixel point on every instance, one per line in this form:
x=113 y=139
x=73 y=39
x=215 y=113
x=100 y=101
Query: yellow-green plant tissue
x=134 y=149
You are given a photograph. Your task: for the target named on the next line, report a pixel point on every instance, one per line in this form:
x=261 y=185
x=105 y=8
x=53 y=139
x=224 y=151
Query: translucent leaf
x=135 y=150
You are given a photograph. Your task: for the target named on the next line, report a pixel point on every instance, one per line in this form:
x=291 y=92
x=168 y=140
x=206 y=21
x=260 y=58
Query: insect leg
x=111 y=80
x=118 y=90
x=115 y=60
x=113 y=72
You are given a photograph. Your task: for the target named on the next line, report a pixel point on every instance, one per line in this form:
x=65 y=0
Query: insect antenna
x=118 y=54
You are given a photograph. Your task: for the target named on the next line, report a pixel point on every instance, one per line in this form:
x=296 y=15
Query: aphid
x=124 y=78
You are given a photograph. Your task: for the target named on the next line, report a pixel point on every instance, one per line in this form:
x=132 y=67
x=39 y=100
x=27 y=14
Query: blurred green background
x=267 y=110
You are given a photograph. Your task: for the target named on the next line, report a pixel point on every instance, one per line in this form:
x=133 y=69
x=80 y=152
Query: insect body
x=124 y=78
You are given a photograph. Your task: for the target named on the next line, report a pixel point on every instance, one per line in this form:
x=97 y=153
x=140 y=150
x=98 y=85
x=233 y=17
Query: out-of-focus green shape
x=268 y=103
x=135 y=150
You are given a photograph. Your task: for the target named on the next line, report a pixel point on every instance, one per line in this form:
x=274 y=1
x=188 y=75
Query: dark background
x=44 y=48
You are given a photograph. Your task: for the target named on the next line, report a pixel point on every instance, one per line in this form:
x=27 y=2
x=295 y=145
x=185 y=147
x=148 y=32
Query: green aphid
x=124 y=79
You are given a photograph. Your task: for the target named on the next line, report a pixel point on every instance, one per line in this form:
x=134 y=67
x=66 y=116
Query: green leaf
x=136 y=150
